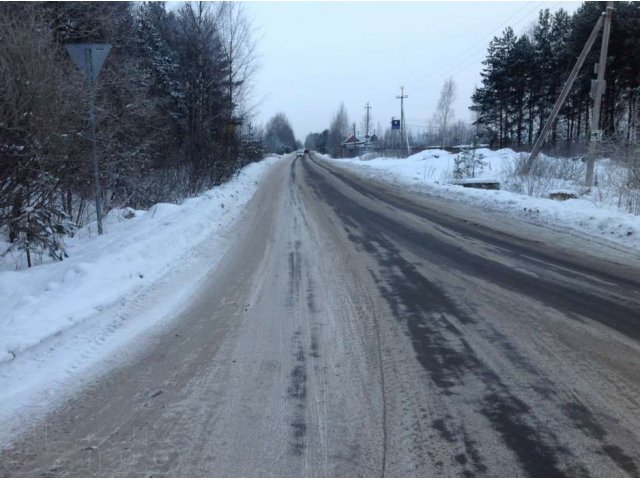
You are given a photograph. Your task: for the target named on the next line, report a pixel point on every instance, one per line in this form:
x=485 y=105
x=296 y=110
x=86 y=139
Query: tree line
x=523 y=75
x=442 y=131
x=330 y=139
x=278 y=136
x=172 y=110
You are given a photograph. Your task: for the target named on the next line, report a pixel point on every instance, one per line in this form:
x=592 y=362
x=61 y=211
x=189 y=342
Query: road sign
x=89 y=57
x=395 y=124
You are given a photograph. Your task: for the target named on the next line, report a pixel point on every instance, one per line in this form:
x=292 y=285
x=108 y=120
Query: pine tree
x=522 y=78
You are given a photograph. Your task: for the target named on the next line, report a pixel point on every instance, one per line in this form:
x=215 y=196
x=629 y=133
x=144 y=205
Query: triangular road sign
x=89 y=57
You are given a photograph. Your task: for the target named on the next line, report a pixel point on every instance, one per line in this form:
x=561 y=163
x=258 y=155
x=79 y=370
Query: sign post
x=89 y=58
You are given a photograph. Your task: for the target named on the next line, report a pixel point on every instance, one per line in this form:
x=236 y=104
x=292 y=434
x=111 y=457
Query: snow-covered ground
x=599 y=212
x=62 y=318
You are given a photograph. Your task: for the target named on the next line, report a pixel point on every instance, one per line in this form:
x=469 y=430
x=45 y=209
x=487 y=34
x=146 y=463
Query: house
x=352 y=142
x=352 y=145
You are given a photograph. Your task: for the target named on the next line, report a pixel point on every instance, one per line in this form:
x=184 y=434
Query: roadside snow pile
x=138 y=248
x=435 y=165
x=553 y=198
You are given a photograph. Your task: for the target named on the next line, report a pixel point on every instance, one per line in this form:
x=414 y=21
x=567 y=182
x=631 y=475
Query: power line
x=470 y=61
x=436 y=77
x=483 y=39
x=463 y=65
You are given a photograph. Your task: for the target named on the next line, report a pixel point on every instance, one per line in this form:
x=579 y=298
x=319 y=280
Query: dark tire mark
x=588 y=423
x=295 y=275
x=508 y=416
x=624 y=461
x=583 y=419
x=297 y=393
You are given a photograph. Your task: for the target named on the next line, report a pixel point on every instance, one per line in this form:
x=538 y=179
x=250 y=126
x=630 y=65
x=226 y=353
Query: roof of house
x=352 y=139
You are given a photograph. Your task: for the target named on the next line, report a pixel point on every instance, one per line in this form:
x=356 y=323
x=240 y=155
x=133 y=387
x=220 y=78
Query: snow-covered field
x=60 y=318
x=599 y=212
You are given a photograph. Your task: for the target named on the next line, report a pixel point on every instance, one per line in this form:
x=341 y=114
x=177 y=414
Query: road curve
x=358 y=330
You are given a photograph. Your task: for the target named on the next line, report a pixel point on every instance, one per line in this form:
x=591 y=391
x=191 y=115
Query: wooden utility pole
x=403 y=127
x=598 y=92
x=563 y=94
x=366 y=122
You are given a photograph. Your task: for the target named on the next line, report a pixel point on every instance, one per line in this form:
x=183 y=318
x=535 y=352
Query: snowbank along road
x=356 y=330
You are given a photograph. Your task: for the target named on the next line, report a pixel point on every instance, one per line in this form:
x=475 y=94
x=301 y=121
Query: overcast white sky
x=315 y=55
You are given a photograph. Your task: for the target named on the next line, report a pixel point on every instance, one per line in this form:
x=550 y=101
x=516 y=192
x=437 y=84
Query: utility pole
x=366 y=122
x=598 y=91
x=564 y=93
x=403 y=127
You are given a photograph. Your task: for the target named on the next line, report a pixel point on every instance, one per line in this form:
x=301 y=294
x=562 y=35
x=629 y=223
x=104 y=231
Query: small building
x=351 y=146
x=352 y=142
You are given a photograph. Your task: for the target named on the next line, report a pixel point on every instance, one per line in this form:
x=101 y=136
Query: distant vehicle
x=306 y=151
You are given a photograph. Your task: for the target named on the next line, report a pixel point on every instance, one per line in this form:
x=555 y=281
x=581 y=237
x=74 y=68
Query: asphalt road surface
x=358 y=330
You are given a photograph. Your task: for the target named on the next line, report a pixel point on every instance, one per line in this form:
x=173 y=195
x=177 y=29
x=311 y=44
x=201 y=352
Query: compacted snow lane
x=357 y=330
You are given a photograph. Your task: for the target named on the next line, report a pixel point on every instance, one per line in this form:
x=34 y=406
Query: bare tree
x=444 y=110
x=338 y=130
x=278 y=135
x=240 y=50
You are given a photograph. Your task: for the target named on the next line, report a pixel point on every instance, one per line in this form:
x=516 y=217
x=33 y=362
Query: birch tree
x=444 y=111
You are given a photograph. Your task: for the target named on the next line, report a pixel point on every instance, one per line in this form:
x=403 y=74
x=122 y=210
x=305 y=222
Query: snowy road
x=357 y=330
